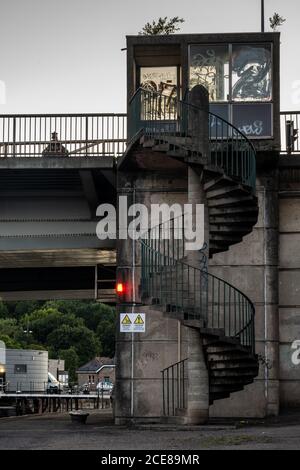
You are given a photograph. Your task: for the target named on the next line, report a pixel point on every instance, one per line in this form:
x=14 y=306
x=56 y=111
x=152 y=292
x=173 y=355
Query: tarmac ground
x=55 y=431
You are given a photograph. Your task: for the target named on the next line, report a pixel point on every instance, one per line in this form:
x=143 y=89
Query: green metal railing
x=191 y=293
x=169 y=120
x=174 y=387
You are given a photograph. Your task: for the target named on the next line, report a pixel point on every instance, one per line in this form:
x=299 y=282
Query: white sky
x=65 y=55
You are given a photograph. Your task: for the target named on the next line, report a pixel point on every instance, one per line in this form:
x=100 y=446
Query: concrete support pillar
x=198 y=384
x=198 y=122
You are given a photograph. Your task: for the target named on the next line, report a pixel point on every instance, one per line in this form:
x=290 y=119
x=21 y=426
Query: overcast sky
x=65 y=55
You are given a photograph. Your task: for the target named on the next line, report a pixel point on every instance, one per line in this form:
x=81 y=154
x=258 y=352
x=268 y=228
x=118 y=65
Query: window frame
x=16 y=371
x=230 y=103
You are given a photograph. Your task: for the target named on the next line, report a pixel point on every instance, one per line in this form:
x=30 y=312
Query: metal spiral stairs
x=223 y=314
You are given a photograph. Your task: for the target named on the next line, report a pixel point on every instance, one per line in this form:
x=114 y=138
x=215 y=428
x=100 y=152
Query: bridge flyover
x=48 y=243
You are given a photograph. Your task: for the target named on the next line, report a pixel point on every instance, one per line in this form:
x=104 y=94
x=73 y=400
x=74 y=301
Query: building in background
x=56 y=367
x=99 y=369
x=26 y=370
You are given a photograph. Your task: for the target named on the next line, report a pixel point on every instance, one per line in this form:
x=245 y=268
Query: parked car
x=105 y=386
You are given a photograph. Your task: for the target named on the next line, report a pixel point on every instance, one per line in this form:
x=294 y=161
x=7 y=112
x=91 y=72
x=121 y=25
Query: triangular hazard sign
x=139 y=320
x=126 y=320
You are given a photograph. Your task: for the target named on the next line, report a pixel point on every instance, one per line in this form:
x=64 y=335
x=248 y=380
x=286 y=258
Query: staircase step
x=229 y=228
x=216 y=182
x=232 y=365
x=224 y=388
x=230 y=381
x=237 y=372
x=225 y=191
x=229 y=201
x=233 y=220
x=223 y=210
x=221 y=341
x=225 y=238
x=180 y=153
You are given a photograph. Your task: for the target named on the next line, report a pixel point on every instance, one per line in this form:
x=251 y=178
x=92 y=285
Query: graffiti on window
x=251 y=73
x=209 y=67
x=162 y=80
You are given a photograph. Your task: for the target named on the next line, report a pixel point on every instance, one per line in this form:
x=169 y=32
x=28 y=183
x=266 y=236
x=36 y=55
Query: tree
x=275 y=21
x=9 y=327
x=84 y=341
x=9 y=342
x=106 y=335
x=43 y=321
x=4 y=313
x=162 y=26
x=71 y=362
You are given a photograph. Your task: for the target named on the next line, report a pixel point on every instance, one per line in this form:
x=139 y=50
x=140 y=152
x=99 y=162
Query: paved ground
x=57 y=432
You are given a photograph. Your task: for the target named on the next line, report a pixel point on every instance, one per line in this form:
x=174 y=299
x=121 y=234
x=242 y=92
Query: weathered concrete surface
x=140 y=359
x=252 y=267
x=289 y=286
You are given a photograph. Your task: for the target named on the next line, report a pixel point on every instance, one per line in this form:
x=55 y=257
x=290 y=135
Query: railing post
x=14 y=137
x=86 y=134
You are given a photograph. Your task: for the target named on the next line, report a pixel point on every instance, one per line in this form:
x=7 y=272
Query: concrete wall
x=252 y=267
x=289 y=287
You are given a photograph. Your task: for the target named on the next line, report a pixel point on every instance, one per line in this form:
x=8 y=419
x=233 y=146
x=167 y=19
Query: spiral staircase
x=221 y=312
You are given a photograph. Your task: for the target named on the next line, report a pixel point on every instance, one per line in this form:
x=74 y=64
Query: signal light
x=120 y=288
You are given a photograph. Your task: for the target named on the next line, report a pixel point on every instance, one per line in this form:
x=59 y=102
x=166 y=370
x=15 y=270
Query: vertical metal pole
x=262 y=16
x=163 y=386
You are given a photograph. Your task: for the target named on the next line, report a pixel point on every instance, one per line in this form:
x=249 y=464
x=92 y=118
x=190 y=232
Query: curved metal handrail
x=192 y=292
x=167 y=119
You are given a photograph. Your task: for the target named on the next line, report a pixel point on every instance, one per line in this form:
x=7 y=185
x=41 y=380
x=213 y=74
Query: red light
x=120 y=288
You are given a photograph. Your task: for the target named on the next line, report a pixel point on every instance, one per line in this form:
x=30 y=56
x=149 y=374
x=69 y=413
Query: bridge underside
x=48 y=243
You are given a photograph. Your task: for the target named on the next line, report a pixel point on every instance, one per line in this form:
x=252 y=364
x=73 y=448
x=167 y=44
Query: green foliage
x=276 y=20
x=106 y=334
x=76 y=331
x=10 y=342
x=3 y=310
x=42 y=322
x=9 y=327
x=84 y=341
x=162 y=26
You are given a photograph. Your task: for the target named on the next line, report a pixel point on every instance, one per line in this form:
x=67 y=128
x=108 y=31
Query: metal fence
x=174 y=385
x=73 y=135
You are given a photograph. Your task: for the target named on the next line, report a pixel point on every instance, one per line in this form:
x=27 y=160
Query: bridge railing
x=73 y=135
x=289 y=128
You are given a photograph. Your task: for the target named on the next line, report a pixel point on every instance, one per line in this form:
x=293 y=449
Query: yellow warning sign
x=132 y=322
x=138 y=320
x=126 y=320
